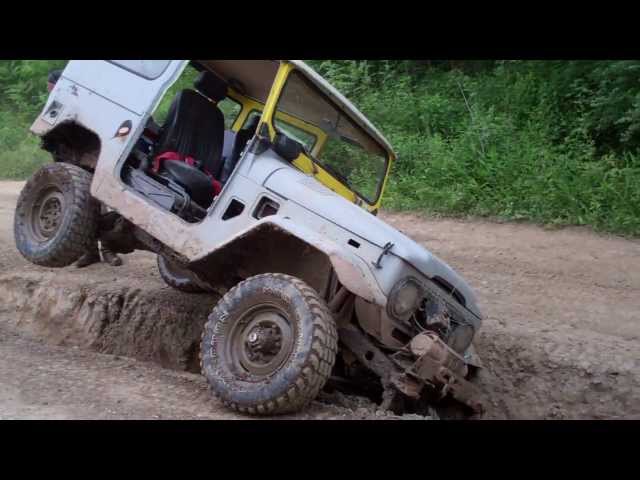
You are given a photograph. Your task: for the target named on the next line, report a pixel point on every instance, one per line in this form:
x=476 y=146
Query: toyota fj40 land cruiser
x=263 y=182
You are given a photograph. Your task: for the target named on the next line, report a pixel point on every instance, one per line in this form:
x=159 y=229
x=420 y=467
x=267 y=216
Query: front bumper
x=426 y=366
x=439 y=368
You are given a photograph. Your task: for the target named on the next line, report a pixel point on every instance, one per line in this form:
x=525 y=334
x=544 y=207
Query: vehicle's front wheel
x=269 y=345
x=56 y=218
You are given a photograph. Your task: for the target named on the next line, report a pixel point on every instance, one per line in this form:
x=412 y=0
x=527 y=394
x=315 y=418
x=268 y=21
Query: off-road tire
x=173 y=276
x=304 y=372
x=78 y=218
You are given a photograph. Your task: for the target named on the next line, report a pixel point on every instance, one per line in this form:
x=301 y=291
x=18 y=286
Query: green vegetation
x=552 y=142
x=23 y=91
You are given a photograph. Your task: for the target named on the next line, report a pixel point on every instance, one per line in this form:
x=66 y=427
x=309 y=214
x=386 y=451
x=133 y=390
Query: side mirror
x=287 y=148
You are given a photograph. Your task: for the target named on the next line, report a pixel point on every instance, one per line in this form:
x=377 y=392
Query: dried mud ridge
x=527 y=375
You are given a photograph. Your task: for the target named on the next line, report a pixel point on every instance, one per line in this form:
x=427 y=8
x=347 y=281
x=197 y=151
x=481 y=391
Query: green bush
x=550 y=142
x=23 y=92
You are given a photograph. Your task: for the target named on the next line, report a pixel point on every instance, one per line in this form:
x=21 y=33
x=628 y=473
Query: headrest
x=54 y=76
x=211 y=86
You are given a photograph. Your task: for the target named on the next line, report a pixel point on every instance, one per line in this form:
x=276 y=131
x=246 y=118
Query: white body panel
x=129 y=90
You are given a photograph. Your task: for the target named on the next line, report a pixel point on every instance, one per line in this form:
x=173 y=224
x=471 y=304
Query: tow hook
x=387 y=248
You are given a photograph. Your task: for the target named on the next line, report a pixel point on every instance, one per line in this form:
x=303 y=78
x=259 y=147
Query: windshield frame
x=384 y=173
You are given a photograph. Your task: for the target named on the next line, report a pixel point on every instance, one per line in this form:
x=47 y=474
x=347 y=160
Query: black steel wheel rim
x=260 y=341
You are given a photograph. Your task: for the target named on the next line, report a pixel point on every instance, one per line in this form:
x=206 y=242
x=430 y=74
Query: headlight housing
x=405 y=298
x=461 y=338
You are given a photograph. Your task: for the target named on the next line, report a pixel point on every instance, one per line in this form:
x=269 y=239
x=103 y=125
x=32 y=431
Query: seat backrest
x=195 y=125
x=240 y=142
x=53 y=78
x=229 y=143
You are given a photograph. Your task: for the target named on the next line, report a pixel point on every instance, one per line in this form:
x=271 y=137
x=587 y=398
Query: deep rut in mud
x=157 y=325
x=527 y=375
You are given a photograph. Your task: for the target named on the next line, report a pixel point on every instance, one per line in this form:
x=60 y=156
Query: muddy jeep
x=260 y=181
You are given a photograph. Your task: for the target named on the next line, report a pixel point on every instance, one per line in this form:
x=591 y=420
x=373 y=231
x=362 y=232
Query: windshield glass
x=348 y=153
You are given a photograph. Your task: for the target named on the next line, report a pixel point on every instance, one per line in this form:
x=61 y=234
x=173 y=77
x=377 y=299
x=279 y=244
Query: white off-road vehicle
x=261 y=181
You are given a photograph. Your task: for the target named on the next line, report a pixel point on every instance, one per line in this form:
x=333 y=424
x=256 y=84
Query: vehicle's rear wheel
x=177 y=277
x=56 y=218
x=269 y=345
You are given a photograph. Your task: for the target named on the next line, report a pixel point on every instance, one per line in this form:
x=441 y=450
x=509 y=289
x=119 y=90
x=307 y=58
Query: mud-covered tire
x=56 y=239
x=305 y=368
x=176 y=277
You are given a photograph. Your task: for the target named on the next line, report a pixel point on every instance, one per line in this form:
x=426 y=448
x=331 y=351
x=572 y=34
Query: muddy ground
x=561 y=338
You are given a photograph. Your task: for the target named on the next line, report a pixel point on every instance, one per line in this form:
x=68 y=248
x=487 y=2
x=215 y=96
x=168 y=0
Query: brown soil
x=562 y=330
x=561 y=337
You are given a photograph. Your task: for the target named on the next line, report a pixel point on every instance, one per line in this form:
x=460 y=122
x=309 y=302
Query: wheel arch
x=71 y=142
x=280 y=246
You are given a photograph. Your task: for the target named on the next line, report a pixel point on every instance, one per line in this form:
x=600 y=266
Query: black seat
x=239 y=143
x=53 y=78
x=227 y=149
x=195 y=128
x=195 y=182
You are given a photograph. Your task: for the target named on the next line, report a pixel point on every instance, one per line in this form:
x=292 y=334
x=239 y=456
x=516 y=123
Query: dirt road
x=561 y=338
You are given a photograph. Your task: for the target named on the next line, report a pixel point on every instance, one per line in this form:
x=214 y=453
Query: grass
x=20 y=152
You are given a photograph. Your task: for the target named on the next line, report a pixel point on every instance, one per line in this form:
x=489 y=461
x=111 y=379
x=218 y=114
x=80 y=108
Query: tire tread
x=312 y=378
x=74 y=241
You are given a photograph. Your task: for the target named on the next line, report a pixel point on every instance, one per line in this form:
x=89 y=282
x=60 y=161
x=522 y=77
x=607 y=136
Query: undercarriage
x=424 y=370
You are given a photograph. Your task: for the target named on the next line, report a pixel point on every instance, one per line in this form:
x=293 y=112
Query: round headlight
x=405 y=298
x=461 y=338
